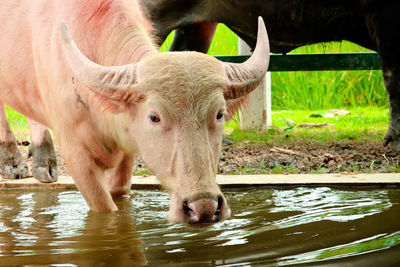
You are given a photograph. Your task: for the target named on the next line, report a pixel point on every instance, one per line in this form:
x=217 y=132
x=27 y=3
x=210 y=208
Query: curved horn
x=244 y=77
x=103 y=80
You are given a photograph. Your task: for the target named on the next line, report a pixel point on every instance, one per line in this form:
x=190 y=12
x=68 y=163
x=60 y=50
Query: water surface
x=269 y=227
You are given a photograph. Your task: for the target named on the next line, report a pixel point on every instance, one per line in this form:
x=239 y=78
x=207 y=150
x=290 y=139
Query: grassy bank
x=362 y=124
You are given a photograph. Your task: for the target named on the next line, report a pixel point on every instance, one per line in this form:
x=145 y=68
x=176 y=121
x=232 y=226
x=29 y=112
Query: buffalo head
x=170 y=109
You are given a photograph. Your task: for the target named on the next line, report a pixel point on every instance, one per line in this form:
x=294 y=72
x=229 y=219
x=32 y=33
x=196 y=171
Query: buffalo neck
x=113 y=33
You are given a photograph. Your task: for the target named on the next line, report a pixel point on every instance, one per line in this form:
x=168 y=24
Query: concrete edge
x=236 y=181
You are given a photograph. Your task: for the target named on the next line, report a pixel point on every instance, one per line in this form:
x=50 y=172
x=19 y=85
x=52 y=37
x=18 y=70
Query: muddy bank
x=308 y=158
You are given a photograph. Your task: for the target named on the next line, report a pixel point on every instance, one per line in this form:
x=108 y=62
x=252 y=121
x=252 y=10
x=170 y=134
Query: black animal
x=374 y=24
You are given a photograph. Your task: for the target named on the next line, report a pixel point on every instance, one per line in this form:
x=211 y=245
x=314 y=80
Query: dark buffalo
x=373 y=24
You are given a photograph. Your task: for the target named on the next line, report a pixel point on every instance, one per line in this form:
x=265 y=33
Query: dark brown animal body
x=370 y=23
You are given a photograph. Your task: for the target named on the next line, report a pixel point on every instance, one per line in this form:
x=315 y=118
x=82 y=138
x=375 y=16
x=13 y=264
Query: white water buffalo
x=107 y=94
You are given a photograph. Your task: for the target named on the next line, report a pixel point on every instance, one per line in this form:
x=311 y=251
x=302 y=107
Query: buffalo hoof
x=395 y=146
x=393 y=139
x=44 y=167
x=12 y=166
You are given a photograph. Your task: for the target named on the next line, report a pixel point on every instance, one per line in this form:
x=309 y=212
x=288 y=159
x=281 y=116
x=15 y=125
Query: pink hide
x=171 y=112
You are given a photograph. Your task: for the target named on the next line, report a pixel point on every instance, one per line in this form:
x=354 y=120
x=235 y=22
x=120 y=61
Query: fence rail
x=315 y=62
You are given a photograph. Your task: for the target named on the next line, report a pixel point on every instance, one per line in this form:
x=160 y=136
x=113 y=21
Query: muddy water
x=310 y=226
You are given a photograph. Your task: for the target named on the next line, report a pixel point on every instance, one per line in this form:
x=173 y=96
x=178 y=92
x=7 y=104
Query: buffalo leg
x=12 y=165
x=119 y=178
x=383 y=25
x=88 y=174
x=44 y=166
x=392 y=83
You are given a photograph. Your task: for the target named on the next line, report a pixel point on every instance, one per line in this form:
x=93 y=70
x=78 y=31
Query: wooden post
x=257 y=112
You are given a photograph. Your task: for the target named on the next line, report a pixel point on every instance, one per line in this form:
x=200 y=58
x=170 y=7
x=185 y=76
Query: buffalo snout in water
x=201 y=209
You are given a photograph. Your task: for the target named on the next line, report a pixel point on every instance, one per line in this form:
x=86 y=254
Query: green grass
x=18 y=124
x=361 y=125
x=328 y=89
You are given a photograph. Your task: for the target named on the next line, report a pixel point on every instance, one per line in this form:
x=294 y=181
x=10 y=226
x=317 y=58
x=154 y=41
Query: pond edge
x=238 y=181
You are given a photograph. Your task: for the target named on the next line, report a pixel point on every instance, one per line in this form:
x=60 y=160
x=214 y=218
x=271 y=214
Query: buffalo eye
x=154 y=117
x=220 y=115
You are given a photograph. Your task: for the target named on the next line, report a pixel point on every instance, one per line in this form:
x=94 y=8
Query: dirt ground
x=298 y=158
x=306 y=158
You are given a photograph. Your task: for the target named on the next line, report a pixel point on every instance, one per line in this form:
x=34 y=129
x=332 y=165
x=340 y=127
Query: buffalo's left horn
x=244 y=77
x=107 y=81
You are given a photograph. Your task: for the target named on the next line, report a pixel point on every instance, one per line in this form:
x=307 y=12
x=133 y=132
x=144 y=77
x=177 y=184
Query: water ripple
x=268 y=227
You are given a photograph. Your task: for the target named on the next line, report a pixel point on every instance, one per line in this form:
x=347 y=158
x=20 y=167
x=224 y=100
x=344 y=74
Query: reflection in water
x=50 y=227
x=319 y=226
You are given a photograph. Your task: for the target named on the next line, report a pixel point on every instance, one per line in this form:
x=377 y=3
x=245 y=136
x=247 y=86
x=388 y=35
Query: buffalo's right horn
x=107 y=81
x=244 y=77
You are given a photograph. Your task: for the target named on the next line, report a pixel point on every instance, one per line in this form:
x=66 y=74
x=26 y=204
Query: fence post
x=257 y=112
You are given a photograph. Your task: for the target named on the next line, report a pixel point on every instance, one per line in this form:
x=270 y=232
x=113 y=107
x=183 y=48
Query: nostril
x=218 y=210
x=186 y=208
x=201 y=211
